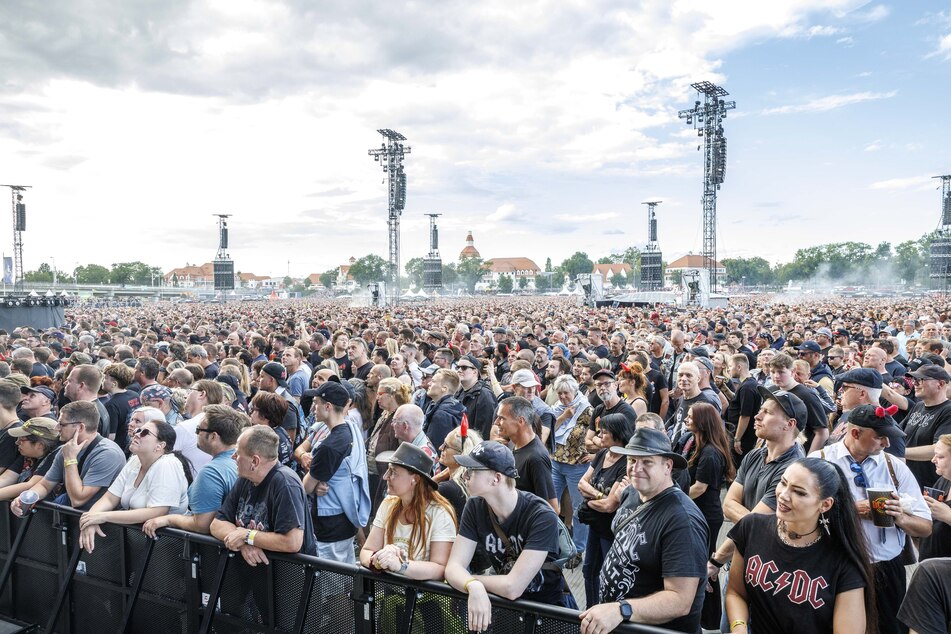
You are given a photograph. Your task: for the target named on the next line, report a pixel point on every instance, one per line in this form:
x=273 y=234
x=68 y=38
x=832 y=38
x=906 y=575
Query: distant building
x=608 y=271
x=343 y=274
x=195 y=276
x=691 y=261
x=250 y=280
x=469 y=251
x=515 y=268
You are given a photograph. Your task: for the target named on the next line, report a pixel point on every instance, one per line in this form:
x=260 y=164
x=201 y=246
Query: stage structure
x=707 y=119
x=224 y=266
x=651 y=278
x=432 y=265
x=390 y=155
x=19 y=226
x=941 y=244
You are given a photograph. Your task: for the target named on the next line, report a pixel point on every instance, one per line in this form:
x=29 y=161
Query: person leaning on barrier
x=37 y=441
x=85 y=465
x=267 y=508
x=517 y=529
x=10 y=397
x=653 y=570
x=216 y=437
x=152 y=483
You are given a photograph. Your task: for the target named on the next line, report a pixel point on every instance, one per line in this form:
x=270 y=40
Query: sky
x=541 y=126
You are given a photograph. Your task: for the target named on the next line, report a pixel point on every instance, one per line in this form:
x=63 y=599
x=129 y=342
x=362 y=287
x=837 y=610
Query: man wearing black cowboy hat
x=655 y=568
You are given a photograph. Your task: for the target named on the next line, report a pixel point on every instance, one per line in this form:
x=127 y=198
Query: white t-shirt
x=441 y=527
x=186 y=441
x=164 y=484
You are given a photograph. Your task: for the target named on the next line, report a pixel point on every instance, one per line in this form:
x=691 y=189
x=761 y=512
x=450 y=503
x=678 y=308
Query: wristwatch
x=626 y=611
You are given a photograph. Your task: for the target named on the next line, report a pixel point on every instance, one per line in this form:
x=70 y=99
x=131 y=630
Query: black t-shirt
x=603 y=479
x=658 y=383
x=759 y=478
x=923 y=426
x=120 y=408
x=328 y=456
x=816 y=418
x=790 y=589
x=746 y=402
x=675 y=426
x=709 y=468
x=600 y=411
x=363 y=371
x=276 y=505
x=29 y=467
x=346 y=366
x=285 y=450
x=533 y=463
x=9 y=454
x=451 y=490
x=107 y=426
x=927 y=606
x=938 y=544
x=533 y=525
x=668 y=538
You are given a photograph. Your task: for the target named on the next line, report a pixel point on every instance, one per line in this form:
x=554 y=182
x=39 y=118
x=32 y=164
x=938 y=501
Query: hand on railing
x=89 y=527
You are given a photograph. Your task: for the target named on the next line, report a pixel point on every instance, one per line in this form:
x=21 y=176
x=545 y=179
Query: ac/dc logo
x=878 y=503
x=798 y=585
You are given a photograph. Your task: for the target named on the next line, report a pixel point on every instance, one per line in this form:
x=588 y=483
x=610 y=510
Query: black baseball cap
x=492 y=455
x=791 y=404
x=277 y=371
x=333 y=393
x=877 y=418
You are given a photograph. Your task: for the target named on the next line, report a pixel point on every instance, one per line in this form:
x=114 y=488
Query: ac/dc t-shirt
x=790 y=589
x=533 y=525
x=277 y=505
x=666 y=538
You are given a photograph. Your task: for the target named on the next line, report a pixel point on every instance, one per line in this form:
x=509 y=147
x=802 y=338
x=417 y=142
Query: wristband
x=733 y=624
x=403 y=567
x=715 y=562
x=250 y=538
x=465 y=586
x=66 y=463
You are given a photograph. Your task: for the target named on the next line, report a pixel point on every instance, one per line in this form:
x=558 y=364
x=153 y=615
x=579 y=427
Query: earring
x=825 y=522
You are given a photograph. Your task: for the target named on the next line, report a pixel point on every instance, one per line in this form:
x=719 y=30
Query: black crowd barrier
x=185 y=582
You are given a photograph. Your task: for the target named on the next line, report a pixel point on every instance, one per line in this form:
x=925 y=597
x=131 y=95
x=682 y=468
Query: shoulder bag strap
x=82 y=458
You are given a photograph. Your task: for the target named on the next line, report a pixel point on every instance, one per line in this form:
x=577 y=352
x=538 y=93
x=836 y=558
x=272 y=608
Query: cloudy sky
x=539 y=125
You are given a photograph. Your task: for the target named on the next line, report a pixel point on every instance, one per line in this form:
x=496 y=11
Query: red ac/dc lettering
x=801 y=587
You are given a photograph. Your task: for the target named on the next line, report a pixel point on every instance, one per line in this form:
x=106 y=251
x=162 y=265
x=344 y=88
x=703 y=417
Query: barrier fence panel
x=185 y=583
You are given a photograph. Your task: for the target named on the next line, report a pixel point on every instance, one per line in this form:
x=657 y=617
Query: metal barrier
x=185 y=582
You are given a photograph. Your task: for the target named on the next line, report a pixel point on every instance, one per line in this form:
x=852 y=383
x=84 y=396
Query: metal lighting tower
x=390 y=155
x=707 y=119
x=432 y=265
x=651 y=258
x=941 y=244
x=224 y=267
x=19 y=226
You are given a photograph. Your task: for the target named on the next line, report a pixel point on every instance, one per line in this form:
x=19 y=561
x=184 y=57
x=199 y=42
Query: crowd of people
x=496 y=443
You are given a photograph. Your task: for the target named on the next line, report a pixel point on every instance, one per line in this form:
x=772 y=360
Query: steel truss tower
x=223 y=266
x=19 y=226
x=432 y=265
x=651 y=259
x=390 y=155
x=707 y=117
x=940 y=270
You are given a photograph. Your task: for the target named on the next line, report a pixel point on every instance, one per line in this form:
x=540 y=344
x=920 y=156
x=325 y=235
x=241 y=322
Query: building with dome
x=516 y=268
x=469 y=251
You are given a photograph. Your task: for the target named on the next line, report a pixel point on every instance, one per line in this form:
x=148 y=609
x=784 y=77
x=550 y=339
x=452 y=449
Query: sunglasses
x=143 y=432
x=860 y=480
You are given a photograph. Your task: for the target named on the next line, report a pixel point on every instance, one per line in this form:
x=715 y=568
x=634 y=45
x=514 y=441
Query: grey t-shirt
x=103 y=464
x=759 y=478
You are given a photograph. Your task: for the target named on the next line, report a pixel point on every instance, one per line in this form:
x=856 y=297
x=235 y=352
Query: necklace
x=783 y=531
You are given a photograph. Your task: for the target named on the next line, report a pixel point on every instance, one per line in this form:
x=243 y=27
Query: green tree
x=369 y=268
x=505 y=284
x=909 y=260
x=548 y=265
x=677 y=277
x=288 y=282
x=470 y=271
x=522 y=283
x=44 y=273
x=577 y=264
x=610 y=259
x=91 y=274
x=414 y=271
x=449 y=274
x=751 y=271
x=327 y=278
x=618 y=279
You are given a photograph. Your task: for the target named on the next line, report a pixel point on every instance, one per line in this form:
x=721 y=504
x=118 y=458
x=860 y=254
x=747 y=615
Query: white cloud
x=831 y=102
x=823 y=31
x=845 y=41
x=904 y=184
x=874 y=146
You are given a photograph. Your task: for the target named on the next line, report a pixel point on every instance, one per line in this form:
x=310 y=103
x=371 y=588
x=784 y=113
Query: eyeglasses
x=73 y=422
x=199 y=430
x=603 y=385
x=144 y=431
x=860 y=480
x=464 y=367
x=469 y=471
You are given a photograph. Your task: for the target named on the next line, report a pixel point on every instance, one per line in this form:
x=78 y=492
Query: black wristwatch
x=626 y=611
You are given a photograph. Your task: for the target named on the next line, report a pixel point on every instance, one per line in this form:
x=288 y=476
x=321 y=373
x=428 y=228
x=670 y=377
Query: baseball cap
x=866 y=377
x=809 y=346
x=606 y=373
x=333 y=393
x=471 y=361
x=824 y=331
x=40 y=427
x=155 y=393
x=40 y=389
x=842 y=332
x=875 y=417
x=699 y=351
x=705 y=362
x=915 y=364
x=430 y=369
x=931 y=372
x=525 y=378
x=492 y=455
x=791 y=404
x=277 y=371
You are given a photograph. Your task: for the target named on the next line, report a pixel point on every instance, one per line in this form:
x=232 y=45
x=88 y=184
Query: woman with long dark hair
x=153 y=483
x=599 y=486
x=805 y=569
x=709 y=465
